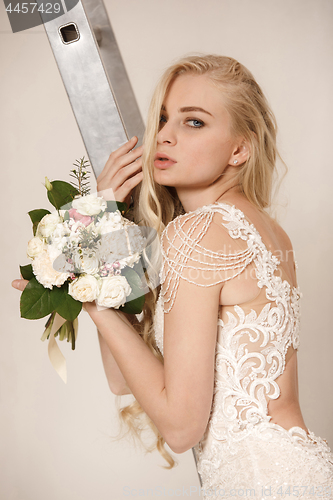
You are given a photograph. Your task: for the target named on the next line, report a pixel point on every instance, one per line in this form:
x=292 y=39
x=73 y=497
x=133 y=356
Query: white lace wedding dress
x=242 y=453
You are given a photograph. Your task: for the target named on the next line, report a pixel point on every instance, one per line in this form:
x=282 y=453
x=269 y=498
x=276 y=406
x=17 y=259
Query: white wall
x=55 y=438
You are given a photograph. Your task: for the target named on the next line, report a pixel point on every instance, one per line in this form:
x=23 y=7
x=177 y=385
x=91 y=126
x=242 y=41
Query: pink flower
x=85 y=219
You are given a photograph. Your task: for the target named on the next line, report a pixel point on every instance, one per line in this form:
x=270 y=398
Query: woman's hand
x=96 y=312
x=122 y=172
x=20 y=284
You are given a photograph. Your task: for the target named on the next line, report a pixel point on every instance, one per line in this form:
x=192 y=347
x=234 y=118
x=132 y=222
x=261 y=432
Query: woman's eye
x=163 y=120
x=196 y=123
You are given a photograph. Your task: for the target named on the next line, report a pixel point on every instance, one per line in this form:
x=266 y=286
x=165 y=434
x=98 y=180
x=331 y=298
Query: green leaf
x=135 y=301
x=64 y=304
x=35 y=301
x=134 y=306
x=26 y=272
x=116 y=205
x=62 y=193
x=36 y=216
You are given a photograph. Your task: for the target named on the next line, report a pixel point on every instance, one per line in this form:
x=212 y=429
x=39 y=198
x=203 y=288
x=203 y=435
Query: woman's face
x=194 y=134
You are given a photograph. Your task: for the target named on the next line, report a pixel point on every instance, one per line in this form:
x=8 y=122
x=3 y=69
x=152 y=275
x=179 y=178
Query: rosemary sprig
x=81 y=174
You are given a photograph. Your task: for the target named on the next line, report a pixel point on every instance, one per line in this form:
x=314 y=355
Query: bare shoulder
x=272 y=234
x=269 y=229
x=279 y=235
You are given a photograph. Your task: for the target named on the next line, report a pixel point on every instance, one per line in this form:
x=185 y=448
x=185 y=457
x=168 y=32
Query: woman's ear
x=240 y=154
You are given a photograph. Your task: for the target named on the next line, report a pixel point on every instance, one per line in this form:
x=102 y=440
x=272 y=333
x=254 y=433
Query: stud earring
x=235 y=161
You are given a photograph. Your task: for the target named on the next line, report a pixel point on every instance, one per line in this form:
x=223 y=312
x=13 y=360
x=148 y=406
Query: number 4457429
x=25 y=8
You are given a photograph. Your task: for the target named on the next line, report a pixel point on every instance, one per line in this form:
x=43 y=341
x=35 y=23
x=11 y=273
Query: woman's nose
x=166 y=134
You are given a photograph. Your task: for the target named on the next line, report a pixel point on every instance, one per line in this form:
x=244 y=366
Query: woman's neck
x=193 y=199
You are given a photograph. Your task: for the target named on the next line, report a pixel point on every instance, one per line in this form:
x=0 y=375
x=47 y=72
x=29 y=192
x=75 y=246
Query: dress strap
x=185 y=257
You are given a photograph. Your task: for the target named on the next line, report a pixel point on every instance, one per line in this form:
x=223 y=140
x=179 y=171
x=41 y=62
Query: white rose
x=114 y=291
x=85 y=288
x=47 y=225
x=89 y=205
x=35 y=247
x=88 y=265
x=111 y=221
x=45 y=273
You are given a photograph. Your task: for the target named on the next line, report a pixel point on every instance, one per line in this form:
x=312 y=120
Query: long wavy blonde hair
x=156 y=205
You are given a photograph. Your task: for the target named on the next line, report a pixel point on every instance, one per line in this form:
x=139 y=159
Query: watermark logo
x=26 y=15
x=216 y=492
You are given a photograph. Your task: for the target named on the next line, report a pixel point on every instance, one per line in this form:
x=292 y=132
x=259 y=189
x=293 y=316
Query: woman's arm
x=176 y=395
x=115 y=378
x=121 y=173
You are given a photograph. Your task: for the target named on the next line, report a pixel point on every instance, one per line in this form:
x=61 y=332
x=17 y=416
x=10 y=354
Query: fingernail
x=14 y=283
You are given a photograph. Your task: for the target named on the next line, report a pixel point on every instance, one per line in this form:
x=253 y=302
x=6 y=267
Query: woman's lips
x=163 y=161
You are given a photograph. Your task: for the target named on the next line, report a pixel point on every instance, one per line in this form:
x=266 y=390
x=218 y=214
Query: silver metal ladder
x=95 y=78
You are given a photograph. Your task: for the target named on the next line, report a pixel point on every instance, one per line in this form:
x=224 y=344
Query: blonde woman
x=213 y=362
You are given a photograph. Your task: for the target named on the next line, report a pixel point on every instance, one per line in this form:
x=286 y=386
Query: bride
x=213 y=362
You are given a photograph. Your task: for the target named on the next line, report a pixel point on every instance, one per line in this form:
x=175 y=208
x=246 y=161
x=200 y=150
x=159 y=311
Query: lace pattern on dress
x=241 y=447
x=272 y=459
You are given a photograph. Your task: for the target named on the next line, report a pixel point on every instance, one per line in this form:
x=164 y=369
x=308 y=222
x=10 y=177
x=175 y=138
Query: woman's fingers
x=128 y=171
x=20 y=284
x=126 y=188
x=125 y=155
x=120 y=157
x=123 y=165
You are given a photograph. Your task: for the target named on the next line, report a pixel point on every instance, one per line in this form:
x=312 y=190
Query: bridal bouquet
x=85 y=250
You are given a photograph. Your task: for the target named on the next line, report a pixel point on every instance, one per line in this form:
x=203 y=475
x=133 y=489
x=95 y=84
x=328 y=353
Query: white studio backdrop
x=55 y=438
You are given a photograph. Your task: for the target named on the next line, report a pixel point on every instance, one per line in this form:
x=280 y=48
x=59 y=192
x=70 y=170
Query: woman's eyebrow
x=193 y=108
x=187 y=109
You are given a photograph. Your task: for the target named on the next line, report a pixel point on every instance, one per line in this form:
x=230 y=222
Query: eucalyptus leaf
x=139 y=267
x=26 y=272
x=135 y=301
x=112 y=206
x=61 y=194
x=35 y=301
